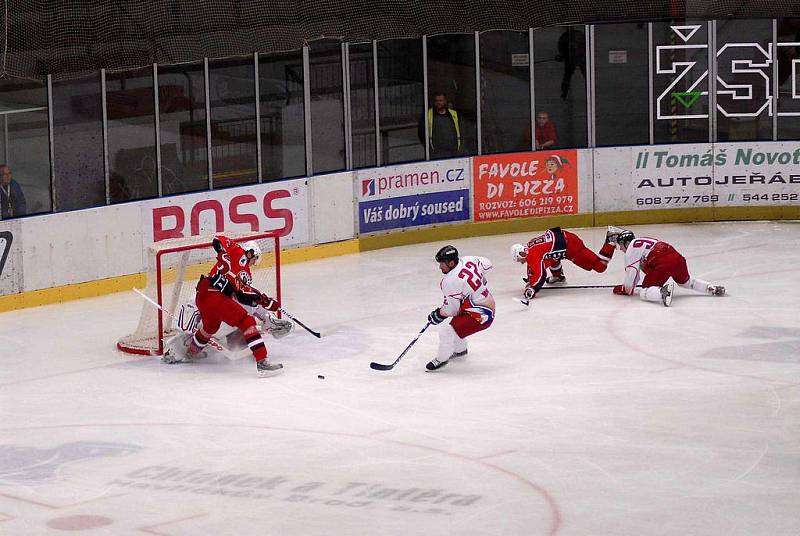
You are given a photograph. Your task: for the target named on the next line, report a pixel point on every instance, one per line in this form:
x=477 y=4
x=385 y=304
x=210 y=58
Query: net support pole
x=348 y=107
x=478 y=92
x=156 y=113
x=590 y=87
x=378 y=155
x=104 y=104
x=712 y=81
x=425 y=97
x=307 y=108
x=50 y=141
x=207 y=84
x=160 y=300
x=532 y=124
x=257 y=89
x=775 y=80
x=650 y=81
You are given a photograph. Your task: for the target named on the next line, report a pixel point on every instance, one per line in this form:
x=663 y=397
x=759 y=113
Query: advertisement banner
x=399 y=197
x=757 y=173
x=10 y=258
x=281 y=206
x=522 y=185
x=727 y=174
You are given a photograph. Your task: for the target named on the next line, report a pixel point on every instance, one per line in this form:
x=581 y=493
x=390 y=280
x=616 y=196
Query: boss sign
x=281 y=207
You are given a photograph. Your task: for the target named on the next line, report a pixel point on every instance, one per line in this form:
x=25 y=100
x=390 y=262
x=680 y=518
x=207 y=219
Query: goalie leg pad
x=188 y=319
x=235 y=340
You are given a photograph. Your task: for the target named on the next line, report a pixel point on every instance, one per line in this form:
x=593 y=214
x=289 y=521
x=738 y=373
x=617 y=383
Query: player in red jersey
x=546 y=251
x=659 y=261
x=220 y=296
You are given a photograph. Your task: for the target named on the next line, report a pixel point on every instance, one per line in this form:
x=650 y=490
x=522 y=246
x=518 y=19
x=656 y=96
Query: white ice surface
x=588 y=414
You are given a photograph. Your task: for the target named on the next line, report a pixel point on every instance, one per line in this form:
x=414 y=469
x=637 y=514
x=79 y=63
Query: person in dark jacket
x=12 y=200
x=445 y=131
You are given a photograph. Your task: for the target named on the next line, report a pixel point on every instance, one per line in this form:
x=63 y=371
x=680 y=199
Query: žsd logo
x=368 y=187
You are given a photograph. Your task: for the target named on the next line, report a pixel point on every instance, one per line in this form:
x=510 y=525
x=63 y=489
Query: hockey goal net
x=174 y=268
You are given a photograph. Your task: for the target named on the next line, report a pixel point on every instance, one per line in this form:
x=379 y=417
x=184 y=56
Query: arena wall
x=63 y=256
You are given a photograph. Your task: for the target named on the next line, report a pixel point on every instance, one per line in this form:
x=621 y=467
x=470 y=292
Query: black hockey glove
x=435 y=317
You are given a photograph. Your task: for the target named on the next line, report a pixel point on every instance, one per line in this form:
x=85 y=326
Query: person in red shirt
x=546 y=135
x=220 y=296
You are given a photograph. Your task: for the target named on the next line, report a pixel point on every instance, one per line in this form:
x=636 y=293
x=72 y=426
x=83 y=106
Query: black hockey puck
x=320 y=376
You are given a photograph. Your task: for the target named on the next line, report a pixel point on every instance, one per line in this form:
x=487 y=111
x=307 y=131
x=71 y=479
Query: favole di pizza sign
x=522 y=185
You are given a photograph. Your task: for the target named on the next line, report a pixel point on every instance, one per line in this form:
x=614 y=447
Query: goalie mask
x=253 y=246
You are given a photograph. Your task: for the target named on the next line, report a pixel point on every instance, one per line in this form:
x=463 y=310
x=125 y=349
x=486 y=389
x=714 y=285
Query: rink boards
x=62 y=256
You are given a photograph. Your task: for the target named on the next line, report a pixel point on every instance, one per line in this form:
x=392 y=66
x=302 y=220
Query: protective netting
x=70 y=38
x=176 y=270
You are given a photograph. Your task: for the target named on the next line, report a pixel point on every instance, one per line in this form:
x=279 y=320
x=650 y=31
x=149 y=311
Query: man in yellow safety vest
x=444 y=129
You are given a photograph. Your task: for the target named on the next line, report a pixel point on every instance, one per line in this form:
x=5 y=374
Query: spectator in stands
x=12 y=200
x=572 y=51
x=545 y=133
x=445 y=130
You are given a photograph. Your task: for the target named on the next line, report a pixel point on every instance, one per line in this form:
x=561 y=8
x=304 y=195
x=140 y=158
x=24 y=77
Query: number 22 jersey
x=464 y=289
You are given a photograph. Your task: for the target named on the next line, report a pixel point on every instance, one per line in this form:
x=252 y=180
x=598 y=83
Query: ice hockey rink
x=586 y=414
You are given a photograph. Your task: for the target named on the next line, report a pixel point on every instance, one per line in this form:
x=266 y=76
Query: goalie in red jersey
x=546 y=251
x=220 y=298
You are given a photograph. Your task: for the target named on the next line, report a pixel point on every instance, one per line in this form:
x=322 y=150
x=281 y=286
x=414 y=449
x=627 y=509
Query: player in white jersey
x=467 y=301
x=659 y=262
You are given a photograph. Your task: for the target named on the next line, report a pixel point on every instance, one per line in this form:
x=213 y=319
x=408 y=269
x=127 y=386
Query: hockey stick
x=284 y=311
x=580 y=286
x=214 y=343
x=308 y=329
x=526 y=302
x=379 y=366
x=586 y=286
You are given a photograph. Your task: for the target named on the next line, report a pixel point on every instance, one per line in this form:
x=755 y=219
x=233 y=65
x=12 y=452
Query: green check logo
x=687 y=98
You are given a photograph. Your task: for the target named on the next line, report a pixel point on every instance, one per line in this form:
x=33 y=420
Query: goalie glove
x=277 y=327
x=435 y=317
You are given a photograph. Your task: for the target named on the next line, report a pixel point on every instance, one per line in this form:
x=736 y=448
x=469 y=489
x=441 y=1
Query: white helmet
x=518 y=253
x=253 y=246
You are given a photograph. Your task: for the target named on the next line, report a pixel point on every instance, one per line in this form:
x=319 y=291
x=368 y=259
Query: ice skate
x=556 y=279
x=458 y=355
x=716 y=290
x=172 y=357
x=177 y=350
x=435 y=364
x=666 y=293
x=266 y=369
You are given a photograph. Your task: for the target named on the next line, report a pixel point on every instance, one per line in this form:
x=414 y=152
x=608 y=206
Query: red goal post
x=174 y=267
